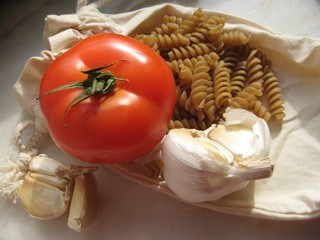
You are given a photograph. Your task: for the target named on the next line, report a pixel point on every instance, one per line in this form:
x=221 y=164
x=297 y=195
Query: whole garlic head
x=207 y=165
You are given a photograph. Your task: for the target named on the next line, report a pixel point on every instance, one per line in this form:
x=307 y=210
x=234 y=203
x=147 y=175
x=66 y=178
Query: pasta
x=193 y=50
x=245 y=98
x=188 y=123
x=254 y=67
x=170 y=24
x=235 y=38
x=191 y=22
x=231 y=59
x=199 y=84
x=238 y=77
x=222 y=86
x=214 y=69
x=153 y=169
x=260 y=110
x=273 y=93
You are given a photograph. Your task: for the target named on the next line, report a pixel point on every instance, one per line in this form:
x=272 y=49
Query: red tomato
x=118 y=126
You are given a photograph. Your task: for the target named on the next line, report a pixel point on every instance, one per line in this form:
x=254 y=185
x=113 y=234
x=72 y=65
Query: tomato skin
x=122 y=125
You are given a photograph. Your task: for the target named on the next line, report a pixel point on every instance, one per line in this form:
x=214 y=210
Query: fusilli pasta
x=214 y=69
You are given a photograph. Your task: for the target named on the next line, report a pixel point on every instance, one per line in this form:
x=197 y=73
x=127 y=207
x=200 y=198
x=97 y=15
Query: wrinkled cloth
x=293 y=192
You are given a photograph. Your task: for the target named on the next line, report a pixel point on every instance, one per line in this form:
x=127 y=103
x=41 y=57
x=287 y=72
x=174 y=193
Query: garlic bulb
x=48 y=189
x=45 y=187
x=207 y=165
x=41 y=192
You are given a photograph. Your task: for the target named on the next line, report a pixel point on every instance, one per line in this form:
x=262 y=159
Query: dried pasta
x=193 y=50
x=235 y=38
x=200 y=84
x=239 y=77
x=246 y=98
x=214 y=69
x=273 y=93
x=222 y=86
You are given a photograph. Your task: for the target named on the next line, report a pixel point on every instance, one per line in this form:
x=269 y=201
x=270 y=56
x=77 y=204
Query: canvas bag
x=293 y=192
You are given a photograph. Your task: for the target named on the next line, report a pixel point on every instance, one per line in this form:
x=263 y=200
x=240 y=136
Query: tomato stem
x=98 y=82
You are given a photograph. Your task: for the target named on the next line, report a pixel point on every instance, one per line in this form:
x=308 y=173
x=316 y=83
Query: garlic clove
x=189 y=171
x=55 y=181
x=207 y=165
x=42 y=200
x=83 y=208
x=45 y=165
x=241 y=124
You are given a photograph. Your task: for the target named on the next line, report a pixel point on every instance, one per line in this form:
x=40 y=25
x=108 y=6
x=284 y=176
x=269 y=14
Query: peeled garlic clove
x=83 y=208
x=42 y=200
x=207 y=165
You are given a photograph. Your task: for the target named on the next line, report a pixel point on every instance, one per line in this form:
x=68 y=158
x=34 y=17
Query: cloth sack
x=293 y=192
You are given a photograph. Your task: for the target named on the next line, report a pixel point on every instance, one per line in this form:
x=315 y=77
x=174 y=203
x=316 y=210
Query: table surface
x=128 y=210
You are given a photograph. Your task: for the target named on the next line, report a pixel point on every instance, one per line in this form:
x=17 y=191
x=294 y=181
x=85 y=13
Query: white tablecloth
x=130 y=211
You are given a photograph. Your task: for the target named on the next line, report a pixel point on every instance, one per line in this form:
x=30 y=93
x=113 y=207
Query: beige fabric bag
x=293 y=192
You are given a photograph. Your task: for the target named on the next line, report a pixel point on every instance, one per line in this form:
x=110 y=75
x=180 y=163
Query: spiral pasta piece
x=198 y=36
x=175 y=66
x=261 y=111
x=216 y=20
x=238 y=102
x=184 y=100
x=244 y=98
x=231 y=59
x=274 y=95
x=154 y=169
x=181 y=97
x=148 y=40
x=170 y=24
x=191 y=22
x=255 y=69
x=172 y=19
x=166 y=41
x=211 y=58
x=180 y=113
x=235 y=38
x=175 y=124
x=222 y=87
x=199 y=84
x=193 y=50
x=251 y=92
x=167 y=28
x=238 y=77
x=188 y=123
x=209 y=107
x=185 y=76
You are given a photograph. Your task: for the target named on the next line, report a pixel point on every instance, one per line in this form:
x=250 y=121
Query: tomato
x=118 y=126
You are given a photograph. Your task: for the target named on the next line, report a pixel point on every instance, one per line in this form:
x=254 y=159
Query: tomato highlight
x=108 y=99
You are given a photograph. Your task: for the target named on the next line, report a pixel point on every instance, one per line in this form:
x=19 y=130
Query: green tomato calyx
x=98 y=82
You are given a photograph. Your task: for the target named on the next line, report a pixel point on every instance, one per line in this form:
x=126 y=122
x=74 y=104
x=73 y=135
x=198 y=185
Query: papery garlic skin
x=83 y=208
x=42 y=200
x=207 y=165
x=45 y=187
x=50 y=189
x=41 y=192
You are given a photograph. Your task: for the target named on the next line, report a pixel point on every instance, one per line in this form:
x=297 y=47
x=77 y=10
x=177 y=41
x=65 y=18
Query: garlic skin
x=45 y=187
x=50 y=189
x=83 y=208
x=42 y=200
x=41 y=192
x=207 y=165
